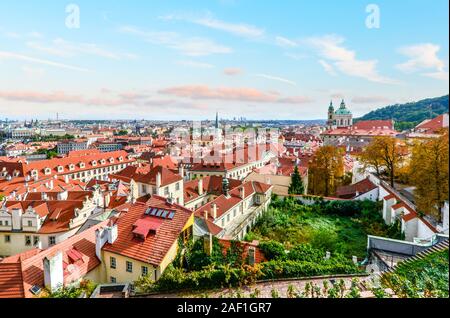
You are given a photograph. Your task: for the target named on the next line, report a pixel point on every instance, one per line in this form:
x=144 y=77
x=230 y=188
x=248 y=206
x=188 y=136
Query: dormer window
x=71 y=167
x=103 y=161
x=34 y=172
x=94 y=163
x=120 y=159
x=47 y=171
x=111 y=160
x=82 y=165
x=60 y=169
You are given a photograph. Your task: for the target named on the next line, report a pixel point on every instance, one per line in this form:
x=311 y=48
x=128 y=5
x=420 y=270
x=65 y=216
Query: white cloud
x=295 y=56
x=331 y=48
x=19 y=57
x=238 y=29
x=63 y=48
x=284 y=42
x=328 y=67
x=440 y=75
x=276 y=78
x=194 y=64
x=423 y=57
x=191 y=46
x=33 y=72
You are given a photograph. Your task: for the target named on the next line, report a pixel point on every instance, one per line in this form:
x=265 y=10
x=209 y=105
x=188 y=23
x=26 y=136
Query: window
x=177 y=186
x=112 y=262
x=129 y=267
x=27 y=240
x=7 y=238
x=6 y=223
x=223 y=222
x=144 y=270
x=1 y=223
x=166 y=191
x=51 y=240
x=30 y=223
x=228 y=218
x=36 y=240
x=113 y=279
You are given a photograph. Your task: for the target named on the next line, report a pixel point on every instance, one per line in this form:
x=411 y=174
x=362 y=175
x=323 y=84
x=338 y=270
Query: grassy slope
x=334 y=233
x=429 y=275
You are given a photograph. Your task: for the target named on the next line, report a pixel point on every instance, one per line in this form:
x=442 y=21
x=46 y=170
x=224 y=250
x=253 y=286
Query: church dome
x=343 y=111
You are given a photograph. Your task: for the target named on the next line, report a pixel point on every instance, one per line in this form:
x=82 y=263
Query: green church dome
x=343 y=111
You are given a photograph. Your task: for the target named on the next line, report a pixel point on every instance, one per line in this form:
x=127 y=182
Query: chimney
x=206 y=214
x=53 y=271
x=158 y=180
x=242 y=192
x=103 y=236
x=200 y=186
x=16 y=219
x=51 y=184
x=214 y=211
x=181 y=171
x=208 y=243
x=66 y=178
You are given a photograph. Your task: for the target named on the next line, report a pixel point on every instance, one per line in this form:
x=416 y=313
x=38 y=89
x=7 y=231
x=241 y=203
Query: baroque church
x=342 y=117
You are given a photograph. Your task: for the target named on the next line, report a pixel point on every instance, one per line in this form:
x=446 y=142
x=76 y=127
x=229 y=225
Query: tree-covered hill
x=409 y=115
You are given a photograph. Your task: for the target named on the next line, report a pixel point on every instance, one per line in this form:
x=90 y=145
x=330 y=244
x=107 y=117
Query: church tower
x=330 y=119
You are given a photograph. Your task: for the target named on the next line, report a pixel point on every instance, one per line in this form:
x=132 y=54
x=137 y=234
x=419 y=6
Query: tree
x=429 y=174
x=122 y=133
x=296 y=186
x=326 y=170
x=384 y=153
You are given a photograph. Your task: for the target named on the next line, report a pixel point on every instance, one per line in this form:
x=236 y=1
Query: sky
x=172 y=60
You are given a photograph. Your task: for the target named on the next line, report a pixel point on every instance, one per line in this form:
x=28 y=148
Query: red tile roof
x=224 y=203
x=154 y=248
x=351 y=191
x=374 y=124
x=11 y=281
x=146 y=175
x=74 y=158
x=431 y=126
x=17 y=278
x=211 y=185
x=59 y=213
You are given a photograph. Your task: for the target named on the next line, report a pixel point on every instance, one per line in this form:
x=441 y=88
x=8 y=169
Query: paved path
x=265 y=289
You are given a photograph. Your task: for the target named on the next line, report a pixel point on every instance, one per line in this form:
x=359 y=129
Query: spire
x=331 y=107
x=342 y=104
x=217 y=120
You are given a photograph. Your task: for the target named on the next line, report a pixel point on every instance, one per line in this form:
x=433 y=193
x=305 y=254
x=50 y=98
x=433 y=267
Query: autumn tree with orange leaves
x=429 y=174
x=384 y=154
x=326 y=171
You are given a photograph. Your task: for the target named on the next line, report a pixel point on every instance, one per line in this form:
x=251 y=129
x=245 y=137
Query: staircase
x=436 y=248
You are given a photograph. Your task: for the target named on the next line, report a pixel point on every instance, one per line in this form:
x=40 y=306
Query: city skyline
x=174 y=60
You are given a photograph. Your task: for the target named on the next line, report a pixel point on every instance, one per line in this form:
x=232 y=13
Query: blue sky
x=189 y=59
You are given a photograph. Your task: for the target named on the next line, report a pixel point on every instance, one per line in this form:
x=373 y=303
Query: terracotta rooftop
x=154 y=248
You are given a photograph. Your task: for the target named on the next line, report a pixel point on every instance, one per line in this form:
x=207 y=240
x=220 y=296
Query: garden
x=335 y=226
x=294 y=238
x=425 y=277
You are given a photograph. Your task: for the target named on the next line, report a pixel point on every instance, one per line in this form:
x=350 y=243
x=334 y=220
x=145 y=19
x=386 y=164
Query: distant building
x=81 y=165
x=66 y=146
x=342 y=117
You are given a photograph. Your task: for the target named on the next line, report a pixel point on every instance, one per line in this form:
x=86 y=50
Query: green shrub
x=272 y=249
